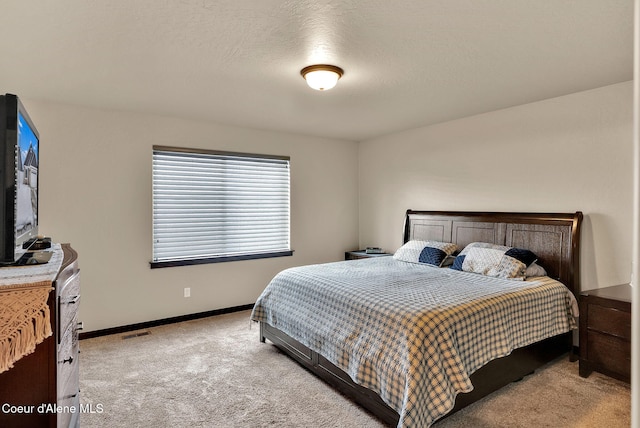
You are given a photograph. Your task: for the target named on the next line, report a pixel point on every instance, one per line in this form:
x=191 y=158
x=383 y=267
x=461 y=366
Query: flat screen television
x=19 y=178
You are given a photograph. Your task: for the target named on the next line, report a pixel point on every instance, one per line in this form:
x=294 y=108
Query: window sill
x=174 y=263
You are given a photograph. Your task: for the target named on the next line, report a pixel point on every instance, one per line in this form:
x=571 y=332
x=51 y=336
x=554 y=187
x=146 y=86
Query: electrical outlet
x=187 y=292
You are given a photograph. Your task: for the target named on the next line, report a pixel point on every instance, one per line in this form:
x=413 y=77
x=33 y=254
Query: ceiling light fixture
x=322 y=76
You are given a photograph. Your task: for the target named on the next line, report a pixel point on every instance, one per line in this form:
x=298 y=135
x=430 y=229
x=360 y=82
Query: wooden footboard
x=491 y=377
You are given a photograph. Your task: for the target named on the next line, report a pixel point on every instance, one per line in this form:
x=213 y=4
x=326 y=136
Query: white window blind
x=217 y=206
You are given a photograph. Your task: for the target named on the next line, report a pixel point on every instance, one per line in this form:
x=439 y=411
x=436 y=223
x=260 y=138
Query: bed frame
x=554 y=238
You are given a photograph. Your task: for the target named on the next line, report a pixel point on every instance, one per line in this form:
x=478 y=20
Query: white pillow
x=494 y=260
x=534 y=269
x=428 y=252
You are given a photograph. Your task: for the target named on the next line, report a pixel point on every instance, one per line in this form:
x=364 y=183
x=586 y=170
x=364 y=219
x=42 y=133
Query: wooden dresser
x=605 y=331
x=46 y=382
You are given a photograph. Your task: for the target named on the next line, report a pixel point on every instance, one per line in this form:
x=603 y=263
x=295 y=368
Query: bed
x=412 y=342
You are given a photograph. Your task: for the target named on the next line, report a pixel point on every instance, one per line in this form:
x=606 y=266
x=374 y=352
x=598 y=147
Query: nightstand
x=605 y=332
x=362 y=254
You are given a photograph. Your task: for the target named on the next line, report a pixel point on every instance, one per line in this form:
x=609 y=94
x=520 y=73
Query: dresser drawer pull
x=66 y=397
x=73 y=300
x=68 y=360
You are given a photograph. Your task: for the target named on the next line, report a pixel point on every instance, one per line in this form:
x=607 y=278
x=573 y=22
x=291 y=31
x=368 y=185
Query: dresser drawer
x=68 y=418
x=610 y=352
x=68 y=364
x=68 y=303
x=71 y=286
x=610 y=321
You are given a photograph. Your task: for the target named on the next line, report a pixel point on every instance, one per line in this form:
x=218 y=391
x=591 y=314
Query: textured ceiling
x=407 y=63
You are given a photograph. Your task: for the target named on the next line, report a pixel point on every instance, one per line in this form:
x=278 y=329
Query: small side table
x=362 y=254
x=605 y=332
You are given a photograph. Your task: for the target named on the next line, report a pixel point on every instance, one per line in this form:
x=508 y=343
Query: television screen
x=26 y=180
x=19 y=164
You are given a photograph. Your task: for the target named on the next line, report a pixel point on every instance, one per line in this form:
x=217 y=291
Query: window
x=211 y=206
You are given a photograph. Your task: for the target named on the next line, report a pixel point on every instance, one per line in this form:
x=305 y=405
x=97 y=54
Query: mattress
x=413 y=333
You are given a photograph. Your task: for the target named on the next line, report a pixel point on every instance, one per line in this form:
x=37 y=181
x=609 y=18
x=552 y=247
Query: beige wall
x=96 y=194
x=560 y=155
x=564 y=154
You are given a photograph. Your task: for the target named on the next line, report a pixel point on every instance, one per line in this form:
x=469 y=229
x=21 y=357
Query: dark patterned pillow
x=498 y=261
x=429 y=252
x=525 y=256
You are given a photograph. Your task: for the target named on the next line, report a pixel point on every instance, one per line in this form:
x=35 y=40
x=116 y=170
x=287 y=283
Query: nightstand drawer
x=605 y=331
x=609 y=352
x=609 y=320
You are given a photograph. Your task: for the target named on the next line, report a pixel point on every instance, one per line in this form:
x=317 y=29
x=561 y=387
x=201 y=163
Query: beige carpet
x=214 y=372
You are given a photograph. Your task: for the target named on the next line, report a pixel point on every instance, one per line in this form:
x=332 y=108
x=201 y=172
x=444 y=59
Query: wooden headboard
x=554 y=238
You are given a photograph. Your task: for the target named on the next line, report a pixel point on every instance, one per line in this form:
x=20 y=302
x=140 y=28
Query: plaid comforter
x=411 y=332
